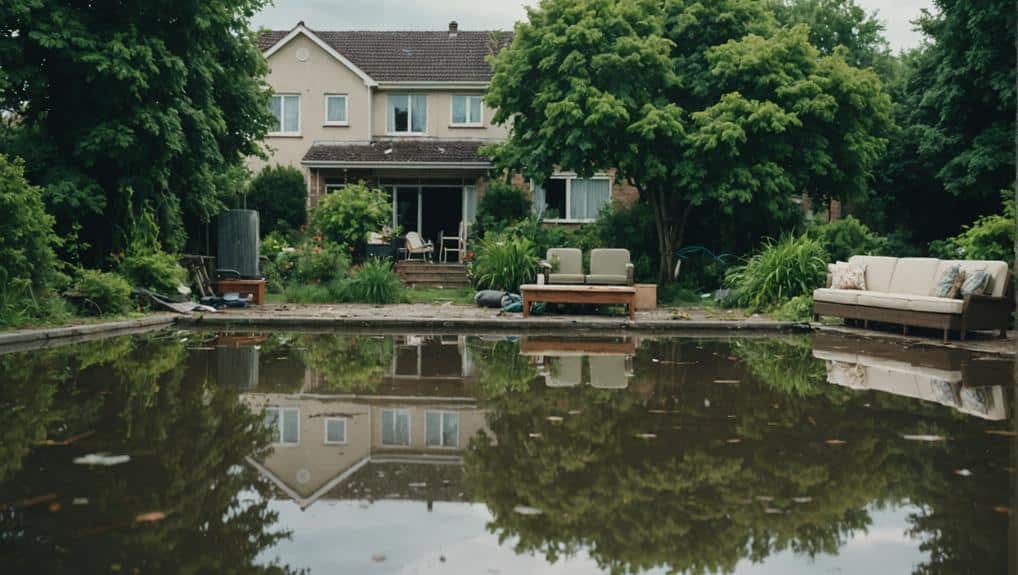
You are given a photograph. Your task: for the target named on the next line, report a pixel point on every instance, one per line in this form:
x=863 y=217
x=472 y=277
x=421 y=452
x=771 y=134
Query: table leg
x=632 y=309
x=526 y=305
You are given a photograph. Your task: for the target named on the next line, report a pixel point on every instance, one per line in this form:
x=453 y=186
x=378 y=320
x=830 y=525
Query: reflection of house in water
x=403 y=439
x=943 y=376
x=561 y=360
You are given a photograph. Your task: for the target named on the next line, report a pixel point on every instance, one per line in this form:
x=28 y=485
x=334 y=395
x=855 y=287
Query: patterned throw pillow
x=978 y=283
x=849 y=276
x=948 y=283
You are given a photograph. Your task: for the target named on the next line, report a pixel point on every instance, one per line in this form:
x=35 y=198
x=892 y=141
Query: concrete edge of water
x=480 y=324
x=37 y=338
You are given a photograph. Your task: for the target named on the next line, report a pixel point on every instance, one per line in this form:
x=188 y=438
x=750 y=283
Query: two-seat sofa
x=898 y=292
x=608 y=266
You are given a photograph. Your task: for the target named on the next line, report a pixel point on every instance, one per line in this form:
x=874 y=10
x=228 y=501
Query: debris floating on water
x=802 y=499
x=554 y=419
x=534 y=435
x=726 y=381
x=924 y=437
x=963 y=472
x=835 y=442
x=524 y=510
x=150 y=517
x=647 y=435
x=102 y=459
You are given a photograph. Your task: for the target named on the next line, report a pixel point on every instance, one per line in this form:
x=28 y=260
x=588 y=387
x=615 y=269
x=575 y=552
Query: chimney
x=454 y=29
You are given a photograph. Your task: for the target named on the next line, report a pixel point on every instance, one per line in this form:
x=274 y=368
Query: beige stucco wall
x=439 y=117
x=319 y=75
x=321 y=462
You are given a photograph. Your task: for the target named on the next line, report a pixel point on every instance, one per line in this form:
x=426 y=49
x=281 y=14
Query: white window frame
x=409 y=117
x=409 y=427
x=329 y=188
x=279 y=423
x=346 y=110
x=441 y=427
x=569 y=185
x=325 y=430
x=470 y=123
x=282 y=115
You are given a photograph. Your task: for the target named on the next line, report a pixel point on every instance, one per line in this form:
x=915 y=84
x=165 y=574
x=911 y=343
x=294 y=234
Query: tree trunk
x=671 y=231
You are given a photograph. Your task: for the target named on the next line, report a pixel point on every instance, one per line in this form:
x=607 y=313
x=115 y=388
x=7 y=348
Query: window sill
x=406 y=134
x=567 y=221
x=283 y=135
x=336 y=125
x=466 y=126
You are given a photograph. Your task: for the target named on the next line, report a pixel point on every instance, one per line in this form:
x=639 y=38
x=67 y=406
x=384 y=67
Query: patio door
x=406 y=208
x=441 y=212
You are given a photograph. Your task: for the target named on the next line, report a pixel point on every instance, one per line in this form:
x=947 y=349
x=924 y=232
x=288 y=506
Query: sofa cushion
x=898 y=301
x=884 y=300
x=565 y=278
x=608 y=261
x=997 y=270
x=569 y=260
x=935 y=304
x=977 y=283
x=914 y=276
x=849 y=276
x=831 y=295
x=611 y=279
x=949 y=280
x=879 y=270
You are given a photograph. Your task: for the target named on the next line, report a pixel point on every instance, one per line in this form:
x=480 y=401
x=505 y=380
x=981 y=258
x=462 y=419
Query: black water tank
x=238 y=243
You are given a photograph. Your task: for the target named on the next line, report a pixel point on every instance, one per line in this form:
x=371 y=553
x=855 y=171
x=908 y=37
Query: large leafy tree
x=118 y=108
x=696 y=105
x=839 y=24
x=964 y=88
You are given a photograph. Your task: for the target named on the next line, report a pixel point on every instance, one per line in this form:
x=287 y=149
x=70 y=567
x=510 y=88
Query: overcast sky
x=493 y=15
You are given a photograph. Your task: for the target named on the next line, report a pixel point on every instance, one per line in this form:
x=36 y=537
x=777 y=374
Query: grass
x=463 y=295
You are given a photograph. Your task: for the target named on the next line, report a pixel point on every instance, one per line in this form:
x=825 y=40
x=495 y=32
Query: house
x=402 y=439
x=402 y=110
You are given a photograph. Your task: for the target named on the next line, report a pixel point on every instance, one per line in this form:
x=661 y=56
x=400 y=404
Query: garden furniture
x=415 y=246
x=610 y=266
x=458 y=243
x=581 y=294
x=562 y=266
x=901 y=291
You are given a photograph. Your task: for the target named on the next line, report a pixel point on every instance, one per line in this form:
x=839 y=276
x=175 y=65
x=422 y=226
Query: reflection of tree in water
x=187 y=444
x=501 y=368
x=683 y=472
x=348 y=363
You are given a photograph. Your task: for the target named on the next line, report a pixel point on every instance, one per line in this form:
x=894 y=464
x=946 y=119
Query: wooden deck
x=580 y=294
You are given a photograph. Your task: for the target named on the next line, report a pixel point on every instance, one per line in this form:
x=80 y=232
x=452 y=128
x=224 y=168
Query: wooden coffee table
x=558 y=293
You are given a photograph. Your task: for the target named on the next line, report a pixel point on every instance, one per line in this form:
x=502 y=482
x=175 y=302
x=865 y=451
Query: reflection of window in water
x=443 y=429
x=395 y=427
x=335 y=430
x=284 y=423
x=432 y=357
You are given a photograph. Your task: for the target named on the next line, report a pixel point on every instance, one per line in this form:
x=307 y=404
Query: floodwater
x=202 y=452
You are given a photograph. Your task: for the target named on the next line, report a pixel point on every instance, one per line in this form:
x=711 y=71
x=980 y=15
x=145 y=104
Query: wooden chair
x=459 y=243
x=415 y=246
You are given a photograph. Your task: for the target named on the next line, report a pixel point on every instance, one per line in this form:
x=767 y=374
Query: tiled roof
x=399 y=151
x=412 y=56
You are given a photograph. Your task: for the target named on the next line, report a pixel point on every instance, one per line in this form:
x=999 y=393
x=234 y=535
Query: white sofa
x=898 y=291
x=941 y=385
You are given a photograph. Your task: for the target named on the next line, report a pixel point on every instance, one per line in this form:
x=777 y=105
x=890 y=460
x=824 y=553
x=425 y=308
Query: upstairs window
x=285 y=109
x=442 y=429
x=283 y=424
x=395 y=427
x=466 y=110
x=572 y=199
x=335 y=110
x=407 y=114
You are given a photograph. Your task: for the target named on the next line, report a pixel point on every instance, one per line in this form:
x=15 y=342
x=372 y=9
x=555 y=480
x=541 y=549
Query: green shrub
x=375 y=283
x=988 y=238
x=779 y=272
x=634 y=229
x=345 y=216
x=157 y=271
x=274 y=243
x=102 y=293
x=799 y=308
x=313 y=293
x=502 y=205
x=314 y=262
x=27 y=239
x=279 y=193
x=847 y=237
x=551 y=236
x=504 y=261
